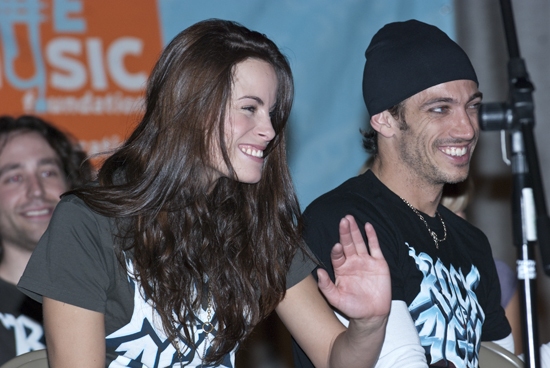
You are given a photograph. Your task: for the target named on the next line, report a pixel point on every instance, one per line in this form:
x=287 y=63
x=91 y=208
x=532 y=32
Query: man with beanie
x=421 y=92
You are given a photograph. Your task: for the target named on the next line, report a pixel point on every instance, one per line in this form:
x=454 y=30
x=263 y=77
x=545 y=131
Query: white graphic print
x=446 y=312
x=27 y=332
x=143 y=343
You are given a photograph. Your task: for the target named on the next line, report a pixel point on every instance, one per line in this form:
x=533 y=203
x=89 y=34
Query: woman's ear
x=384 y=123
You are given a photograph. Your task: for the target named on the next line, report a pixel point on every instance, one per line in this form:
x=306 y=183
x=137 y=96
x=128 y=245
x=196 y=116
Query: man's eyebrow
x=45 y=161
x=50 y=161
x=9 y=167
x=476 y=95
x=449 y=99
x=437 y=100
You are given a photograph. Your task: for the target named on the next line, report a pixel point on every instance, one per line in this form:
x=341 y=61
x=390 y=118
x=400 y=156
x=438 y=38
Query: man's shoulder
x=353 y=190
x=6 y=287
x=460 y=224
x=363 y=197
x=468 y=238
x=11 y=299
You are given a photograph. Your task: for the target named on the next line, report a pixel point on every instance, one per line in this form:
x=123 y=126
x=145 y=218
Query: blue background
x=325 y=41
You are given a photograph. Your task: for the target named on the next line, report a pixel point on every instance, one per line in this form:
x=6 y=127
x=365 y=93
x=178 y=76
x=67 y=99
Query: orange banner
x=81 y=65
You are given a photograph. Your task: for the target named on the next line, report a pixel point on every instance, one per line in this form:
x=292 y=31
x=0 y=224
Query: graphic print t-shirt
x=143 y=340
x=452 y=292
x=75 y=262
x=21 y=328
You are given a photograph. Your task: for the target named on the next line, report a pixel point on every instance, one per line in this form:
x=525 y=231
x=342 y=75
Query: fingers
x=337 y=256
x=352 y=242
x=374 y=245
x=344 y=229
x=351 y=238
x=356 y=236
x=326 y=285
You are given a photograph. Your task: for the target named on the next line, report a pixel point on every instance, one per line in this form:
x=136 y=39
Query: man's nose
x=35 y=186
x=465 y=126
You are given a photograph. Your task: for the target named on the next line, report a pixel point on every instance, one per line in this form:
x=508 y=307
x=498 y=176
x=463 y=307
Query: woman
x=192 y=234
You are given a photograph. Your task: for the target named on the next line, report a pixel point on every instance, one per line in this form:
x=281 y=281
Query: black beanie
x=405 y=58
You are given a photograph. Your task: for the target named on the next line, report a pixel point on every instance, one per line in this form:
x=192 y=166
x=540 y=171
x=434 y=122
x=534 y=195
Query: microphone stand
x=530 y=221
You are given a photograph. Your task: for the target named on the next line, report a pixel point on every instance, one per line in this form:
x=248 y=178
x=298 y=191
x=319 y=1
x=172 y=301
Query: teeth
x=453 y=151
x=253 y=152
x=37 y=213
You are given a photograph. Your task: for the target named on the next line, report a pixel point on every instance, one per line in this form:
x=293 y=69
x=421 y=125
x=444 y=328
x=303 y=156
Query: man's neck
x=420 y=194
x=14 y=261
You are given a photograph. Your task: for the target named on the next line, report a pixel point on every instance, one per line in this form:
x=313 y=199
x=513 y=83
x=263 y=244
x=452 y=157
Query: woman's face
x=248 y=128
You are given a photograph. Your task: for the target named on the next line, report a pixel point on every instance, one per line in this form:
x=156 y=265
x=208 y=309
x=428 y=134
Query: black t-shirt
x=452 y=292
x=75 y=263
x=21 y=328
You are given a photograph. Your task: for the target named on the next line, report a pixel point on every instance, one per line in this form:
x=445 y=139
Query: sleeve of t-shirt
x=320 y=234
x=401 y=347
x=302 y=265
x=70 y=264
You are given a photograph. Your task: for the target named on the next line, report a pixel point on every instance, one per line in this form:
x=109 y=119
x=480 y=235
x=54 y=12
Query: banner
x=80 y=64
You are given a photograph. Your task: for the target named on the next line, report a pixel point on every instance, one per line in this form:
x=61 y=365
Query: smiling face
x=31 y=181
x=248 y=128
x=441 y=132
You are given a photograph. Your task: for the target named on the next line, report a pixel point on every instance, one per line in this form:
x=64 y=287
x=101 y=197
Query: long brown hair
x=242 y=237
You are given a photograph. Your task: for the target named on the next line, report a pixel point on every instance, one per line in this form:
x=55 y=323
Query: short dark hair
x=77 y=169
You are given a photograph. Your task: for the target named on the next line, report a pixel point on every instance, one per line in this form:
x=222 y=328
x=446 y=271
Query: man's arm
x=362 y=291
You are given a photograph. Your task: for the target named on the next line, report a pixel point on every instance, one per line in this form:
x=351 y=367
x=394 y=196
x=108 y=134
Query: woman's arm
x=75 y=336
x=362 y=292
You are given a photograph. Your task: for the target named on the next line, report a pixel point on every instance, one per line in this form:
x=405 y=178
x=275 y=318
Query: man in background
x=37 y=164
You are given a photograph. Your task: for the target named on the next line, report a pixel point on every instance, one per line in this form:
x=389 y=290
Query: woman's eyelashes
x=251 y=109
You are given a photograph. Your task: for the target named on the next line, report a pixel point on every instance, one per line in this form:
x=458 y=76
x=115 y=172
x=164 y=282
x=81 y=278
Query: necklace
x=207 y=327
x=432 y=233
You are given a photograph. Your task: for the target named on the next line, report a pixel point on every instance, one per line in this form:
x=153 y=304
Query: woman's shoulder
x=73 y=209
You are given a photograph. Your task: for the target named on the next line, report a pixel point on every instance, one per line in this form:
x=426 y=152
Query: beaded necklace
x=432 y=233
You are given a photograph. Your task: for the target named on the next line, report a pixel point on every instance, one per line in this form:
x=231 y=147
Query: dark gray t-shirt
x=75 y=263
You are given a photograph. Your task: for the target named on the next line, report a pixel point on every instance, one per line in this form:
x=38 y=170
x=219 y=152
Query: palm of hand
x=363 y=288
